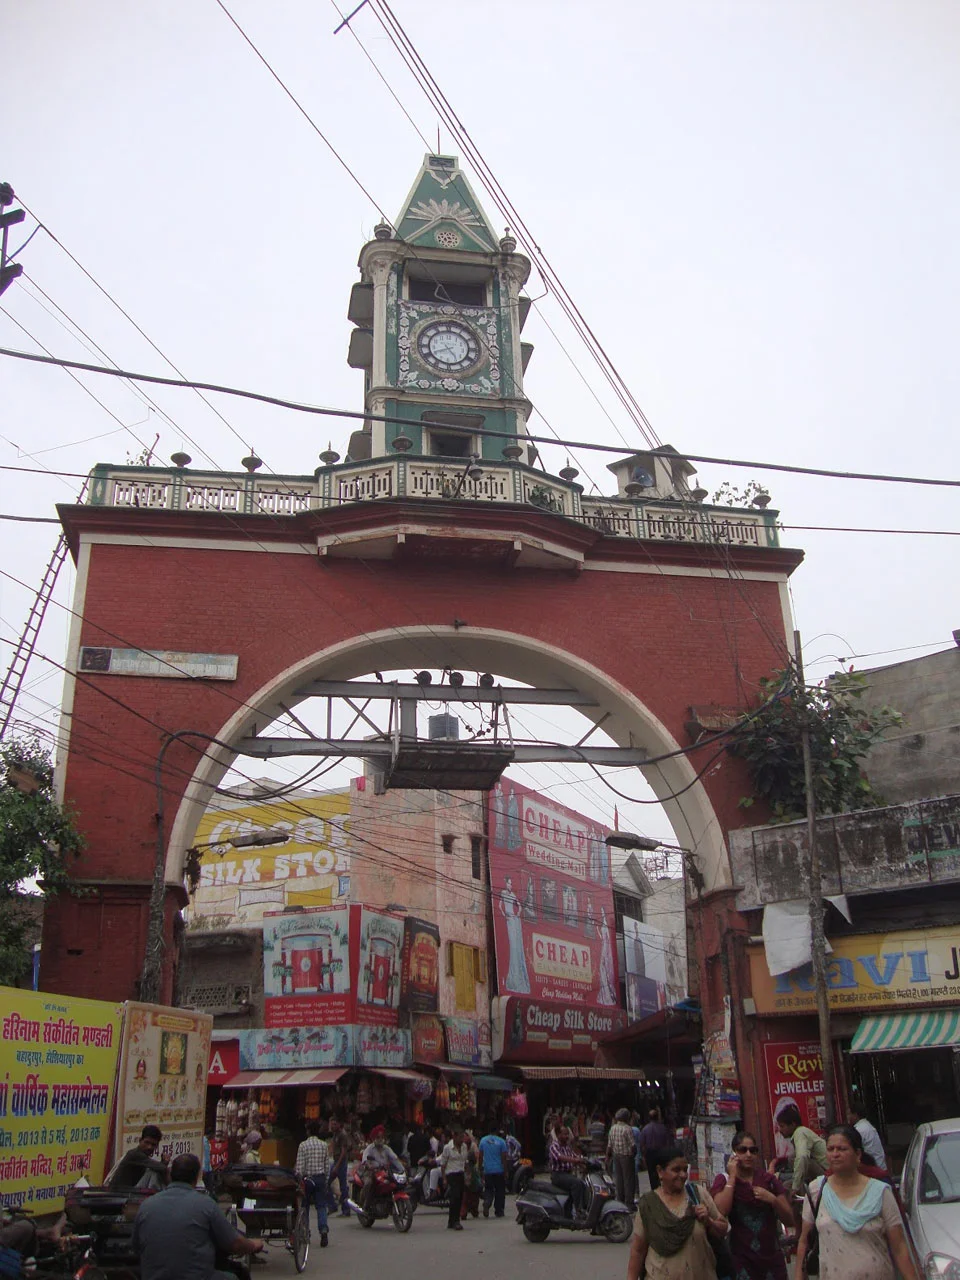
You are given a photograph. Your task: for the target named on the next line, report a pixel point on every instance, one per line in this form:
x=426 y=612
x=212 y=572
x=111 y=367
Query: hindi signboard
x=552 y=901
x=58 y=1063
x=163 y=1077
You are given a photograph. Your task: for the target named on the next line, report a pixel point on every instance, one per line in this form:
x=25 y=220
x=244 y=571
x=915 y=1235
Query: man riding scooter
x=567 y=1166
x=377 y=1156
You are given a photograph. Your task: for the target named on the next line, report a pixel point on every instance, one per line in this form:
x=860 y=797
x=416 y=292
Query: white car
x=930 y=1191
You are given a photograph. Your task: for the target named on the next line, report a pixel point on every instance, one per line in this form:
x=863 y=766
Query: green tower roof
x=442 y=211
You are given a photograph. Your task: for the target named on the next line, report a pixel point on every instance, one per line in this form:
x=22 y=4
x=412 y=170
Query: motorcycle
x=542 y=1208
x=388 y=1198
x=419 y=1187
x=519 y=1174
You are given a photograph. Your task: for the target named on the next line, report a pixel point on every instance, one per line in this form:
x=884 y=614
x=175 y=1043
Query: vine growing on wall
x=841 y=729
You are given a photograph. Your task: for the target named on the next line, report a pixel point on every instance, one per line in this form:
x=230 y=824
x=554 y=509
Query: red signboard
x=428 y=1043
x=420 y=976
x=224 y=1061
x=552 y=901
x=795 y=1077
x=533 y=1032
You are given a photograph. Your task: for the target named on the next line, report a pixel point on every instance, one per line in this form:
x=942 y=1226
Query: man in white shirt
x=872 y=1145
x=453 y=1162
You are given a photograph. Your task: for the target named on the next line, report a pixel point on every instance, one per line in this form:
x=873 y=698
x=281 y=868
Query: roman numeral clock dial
x=448 y=346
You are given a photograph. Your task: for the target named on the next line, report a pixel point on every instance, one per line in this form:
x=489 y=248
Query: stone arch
x=510 y=654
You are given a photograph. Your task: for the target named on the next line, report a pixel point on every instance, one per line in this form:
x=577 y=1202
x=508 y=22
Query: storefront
x=895 y=1025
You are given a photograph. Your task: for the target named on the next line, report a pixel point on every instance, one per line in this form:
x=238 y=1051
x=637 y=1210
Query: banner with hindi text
x=58 y=1064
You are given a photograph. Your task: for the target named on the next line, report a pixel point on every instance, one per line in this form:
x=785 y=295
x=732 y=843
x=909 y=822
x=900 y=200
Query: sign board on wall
x=58 y=1064
x=379 y=955
x=531 y=1031
x=307 y=969
x=552 y=901
x=420 y=977
x=463 y=1042
x=224 y=1061
x=163 y=1077
x=428 y=1040
x=868 y=971
x=311 y=870
x=165 y=664
x=644 y=957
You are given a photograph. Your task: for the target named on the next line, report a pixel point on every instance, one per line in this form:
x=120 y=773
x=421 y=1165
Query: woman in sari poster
x=517 y=978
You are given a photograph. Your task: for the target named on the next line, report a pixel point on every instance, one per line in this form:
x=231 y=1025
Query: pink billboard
x=552 y=900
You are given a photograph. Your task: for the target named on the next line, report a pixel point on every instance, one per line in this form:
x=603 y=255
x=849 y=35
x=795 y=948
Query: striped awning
x=303 y=1077
x=931 y=1029
x=398 y=1073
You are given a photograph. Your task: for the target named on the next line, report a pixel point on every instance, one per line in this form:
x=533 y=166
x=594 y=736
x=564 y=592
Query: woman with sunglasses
x=859 y=1227
x=755 y=1202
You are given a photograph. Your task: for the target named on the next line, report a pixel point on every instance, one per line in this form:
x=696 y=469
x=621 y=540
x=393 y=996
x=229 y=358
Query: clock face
x=448 y=345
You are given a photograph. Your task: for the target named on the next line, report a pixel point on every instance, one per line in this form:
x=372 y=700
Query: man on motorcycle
x=566 y=1168
x=376 y=1156
x=179 y=1232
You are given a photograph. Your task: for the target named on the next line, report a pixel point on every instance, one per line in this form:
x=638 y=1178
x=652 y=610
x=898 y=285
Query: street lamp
x=624 y=840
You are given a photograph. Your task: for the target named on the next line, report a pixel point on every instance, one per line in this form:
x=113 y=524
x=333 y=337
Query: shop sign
x=382 y=1047
x=795 y=1078
x=58 y=1065
x=224 y=1061
x=463 y=1042
x=420 y=975
x=310 y=870
x=287 y=1049
x=164 y=1061
x=552 y=900
x=528 y=1031
x=917 y=967
x=427 y=1032
x=485 y=1041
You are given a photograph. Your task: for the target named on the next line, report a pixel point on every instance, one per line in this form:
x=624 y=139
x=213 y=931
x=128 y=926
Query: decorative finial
x=383 y=231
x=181 y=459
x=568 y=472
x=508 y=244
x=252 y=463
x=329 y=456
x=402 y=443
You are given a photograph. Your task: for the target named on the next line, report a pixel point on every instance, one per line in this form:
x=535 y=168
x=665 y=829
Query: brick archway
x=651 y=628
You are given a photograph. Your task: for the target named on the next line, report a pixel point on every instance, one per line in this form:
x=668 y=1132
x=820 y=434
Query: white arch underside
x=513 y=656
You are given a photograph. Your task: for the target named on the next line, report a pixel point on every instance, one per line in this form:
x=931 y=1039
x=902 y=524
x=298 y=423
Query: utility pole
x=818 y=940
x=8 y=270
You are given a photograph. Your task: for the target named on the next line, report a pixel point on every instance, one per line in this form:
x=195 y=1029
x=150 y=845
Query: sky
x=753 y=204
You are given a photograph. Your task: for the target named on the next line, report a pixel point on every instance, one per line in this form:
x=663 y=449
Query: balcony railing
x=659 y=519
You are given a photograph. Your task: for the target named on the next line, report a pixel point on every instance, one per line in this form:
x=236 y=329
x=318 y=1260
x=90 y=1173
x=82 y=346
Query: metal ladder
x=26 y=645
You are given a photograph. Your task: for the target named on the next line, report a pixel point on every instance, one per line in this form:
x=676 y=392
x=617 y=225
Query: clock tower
x=438 y=318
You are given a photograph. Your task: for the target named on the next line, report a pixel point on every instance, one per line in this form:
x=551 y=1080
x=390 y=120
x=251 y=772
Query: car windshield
x=940 y=1174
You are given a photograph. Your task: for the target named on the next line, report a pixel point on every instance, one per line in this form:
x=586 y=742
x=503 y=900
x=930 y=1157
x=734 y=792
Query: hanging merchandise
x=232 y=1117
x=220 y=1128
x=420 y=1088
x=517 y=1103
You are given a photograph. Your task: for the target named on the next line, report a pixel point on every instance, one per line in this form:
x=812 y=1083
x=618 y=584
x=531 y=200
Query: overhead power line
x=299 y=407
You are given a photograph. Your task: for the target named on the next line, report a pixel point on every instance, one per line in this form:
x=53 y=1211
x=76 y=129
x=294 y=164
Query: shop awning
x=583 y=1073
x=398 y=1073
x=454 y=1069
x=301 y=1078
x=494 y=1084
x=931 y=1029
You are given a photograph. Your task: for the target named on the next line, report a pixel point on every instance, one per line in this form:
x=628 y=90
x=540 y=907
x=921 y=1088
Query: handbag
x=811 y=1261
x=726 y=1267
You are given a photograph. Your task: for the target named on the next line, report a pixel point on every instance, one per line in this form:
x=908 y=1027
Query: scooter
x=419 y=1187
x=542 y=1208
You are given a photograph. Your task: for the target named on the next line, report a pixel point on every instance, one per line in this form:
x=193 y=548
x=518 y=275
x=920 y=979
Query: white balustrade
x=138 y=492
x=370 y=482
x=212 y=497
x=283 y=499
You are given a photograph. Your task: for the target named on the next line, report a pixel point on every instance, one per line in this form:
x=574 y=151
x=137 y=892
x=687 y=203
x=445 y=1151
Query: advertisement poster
x=420 y=970
x=428 y=1038
x=463 y=1042
x=378 y=969
x=163 y=1077
x=644 y=961
x=795 y=1078
x=382 y=1047
x=267 y=1049
x=224 y=1061
x=552 y=901
x=527 y=1031
x=868 y=971
x=312 y=869
x=306 y=968
x=58 y=1062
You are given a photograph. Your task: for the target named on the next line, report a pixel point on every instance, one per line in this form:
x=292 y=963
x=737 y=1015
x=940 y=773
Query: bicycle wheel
x=301 y=1238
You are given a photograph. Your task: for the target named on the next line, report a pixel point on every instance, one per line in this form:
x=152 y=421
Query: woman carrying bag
x=674 y=1228
x=756 y=1203
x=859 y=1230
